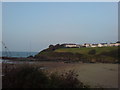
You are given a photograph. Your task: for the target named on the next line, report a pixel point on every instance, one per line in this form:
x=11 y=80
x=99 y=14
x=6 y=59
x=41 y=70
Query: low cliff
x=96 y=54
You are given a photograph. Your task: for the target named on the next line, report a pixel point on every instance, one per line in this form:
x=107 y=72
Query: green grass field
x=100 y=54
x=86 y=50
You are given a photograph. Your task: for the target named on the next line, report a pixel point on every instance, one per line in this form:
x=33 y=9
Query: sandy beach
x=94 y=74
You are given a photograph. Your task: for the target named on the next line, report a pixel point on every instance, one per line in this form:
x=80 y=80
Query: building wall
x=70 y=45
x=93 y=46
x=100 y=45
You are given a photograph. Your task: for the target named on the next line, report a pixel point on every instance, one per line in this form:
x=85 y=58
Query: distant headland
x=102 y=52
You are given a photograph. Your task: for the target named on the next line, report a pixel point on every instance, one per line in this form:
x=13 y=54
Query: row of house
x=92 y=45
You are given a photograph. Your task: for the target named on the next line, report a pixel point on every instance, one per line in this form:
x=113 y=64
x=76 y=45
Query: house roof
x=112 y=43
x=118 y=42
x=94 y=44
x=103 y=43
x=86 y=44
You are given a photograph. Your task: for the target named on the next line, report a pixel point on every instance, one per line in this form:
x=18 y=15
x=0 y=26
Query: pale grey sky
x=36 y=25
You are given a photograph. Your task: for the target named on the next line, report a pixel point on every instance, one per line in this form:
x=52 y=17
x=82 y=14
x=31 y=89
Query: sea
x=16 y=54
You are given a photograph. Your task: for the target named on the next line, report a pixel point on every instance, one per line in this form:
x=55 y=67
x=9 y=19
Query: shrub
x=92 y=52
x=66 y=80
x=24 y=77
x=113 y=53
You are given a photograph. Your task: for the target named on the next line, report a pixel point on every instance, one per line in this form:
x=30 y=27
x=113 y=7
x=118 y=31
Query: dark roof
x=112 y=43
x=103 y=43
x=118 y=42
x=94 y=44
x=86 y=44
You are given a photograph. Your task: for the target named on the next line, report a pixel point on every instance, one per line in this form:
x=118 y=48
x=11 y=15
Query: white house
x=94 y=45
x=104 y=44
x=117 y=43
x=86 y=45
x=70 y=45
x=112 y=44
x=100 y=45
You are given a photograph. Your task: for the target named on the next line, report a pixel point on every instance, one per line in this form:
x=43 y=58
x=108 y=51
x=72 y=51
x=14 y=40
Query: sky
x=33 y=26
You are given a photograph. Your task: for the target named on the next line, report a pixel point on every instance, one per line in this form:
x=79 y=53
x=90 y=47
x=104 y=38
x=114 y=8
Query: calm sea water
x=18 y=54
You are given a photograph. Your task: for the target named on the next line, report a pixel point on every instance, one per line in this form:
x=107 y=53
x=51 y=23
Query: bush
x=32 y=77
x=24 y=77
x=113 y=53
x=92 y=52
x=66 y=80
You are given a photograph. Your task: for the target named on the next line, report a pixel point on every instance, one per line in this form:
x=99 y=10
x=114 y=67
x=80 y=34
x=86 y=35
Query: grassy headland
x=96 y=54
x=86 y=50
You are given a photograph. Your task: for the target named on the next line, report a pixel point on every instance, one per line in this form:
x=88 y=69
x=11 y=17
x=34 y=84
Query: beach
x=94 y=74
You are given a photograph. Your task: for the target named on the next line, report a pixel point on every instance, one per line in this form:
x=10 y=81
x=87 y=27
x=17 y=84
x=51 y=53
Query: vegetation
x=86 y=50
x=92 y=52
x=26 y=76
x=96 y=54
